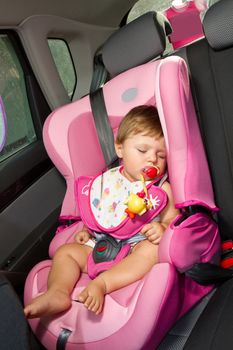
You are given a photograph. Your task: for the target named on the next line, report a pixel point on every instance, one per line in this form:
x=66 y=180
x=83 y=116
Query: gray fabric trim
x=138 y=237
x=163 y=179
x=178 y=335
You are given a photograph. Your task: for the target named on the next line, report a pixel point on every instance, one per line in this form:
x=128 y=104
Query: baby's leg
x=68 y=262
x=131 y=269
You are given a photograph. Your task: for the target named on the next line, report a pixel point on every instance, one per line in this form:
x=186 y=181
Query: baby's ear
x=118 y=149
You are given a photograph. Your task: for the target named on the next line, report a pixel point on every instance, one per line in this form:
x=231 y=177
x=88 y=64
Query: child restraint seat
x=139 y=315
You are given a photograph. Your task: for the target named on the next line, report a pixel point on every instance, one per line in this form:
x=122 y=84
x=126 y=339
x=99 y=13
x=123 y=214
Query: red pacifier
x=151 y=172
x=140 y=202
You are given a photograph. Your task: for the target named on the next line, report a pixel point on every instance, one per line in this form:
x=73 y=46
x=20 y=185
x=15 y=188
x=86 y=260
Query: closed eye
x=141 y=150
x=162 y=156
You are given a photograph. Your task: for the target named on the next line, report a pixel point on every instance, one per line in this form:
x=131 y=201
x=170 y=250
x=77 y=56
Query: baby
x=140 y=145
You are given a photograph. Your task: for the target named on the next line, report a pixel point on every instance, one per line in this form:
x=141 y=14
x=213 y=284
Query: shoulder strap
x=162 y=180
x=103 y=127
x=100 y=74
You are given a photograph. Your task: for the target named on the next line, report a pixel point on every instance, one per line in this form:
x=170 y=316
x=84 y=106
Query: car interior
x=39 y=103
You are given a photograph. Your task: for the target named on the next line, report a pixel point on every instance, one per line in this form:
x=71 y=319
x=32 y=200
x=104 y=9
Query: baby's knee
x=69 y=249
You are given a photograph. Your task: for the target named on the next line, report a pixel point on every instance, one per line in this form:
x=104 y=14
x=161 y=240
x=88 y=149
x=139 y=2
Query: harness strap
x=208 y=274
x=62 y=339
x=134 y=239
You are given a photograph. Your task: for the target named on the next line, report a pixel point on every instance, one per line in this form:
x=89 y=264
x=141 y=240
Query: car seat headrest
x=218 y=25
x=136 y=43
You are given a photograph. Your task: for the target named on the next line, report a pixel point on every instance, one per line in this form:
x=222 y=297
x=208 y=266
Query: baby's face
x=139 y=152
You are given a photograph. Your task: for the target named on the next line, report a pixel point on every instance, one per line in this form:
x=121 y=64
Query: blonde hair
x=141 y=119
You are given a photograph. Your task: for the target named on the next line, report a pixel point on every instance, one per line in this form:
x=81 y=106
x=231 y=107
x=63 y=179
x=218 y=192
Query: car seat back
x=210 y=64
x=213 y=84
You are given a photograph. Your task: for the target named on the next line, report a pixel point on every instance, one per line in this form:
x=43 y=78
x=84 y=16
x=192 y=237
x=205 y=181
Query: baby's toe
x=83 y=296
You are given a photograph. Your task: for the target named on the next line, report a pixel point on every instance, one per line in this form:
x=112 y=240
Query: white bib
x=108 y=194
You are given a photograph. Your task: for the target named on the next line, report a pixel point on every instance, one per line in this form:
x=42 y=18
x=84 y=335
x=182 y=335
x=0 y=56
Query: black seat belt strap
x=100 y=74
x=207 y=274
x=103 y=127
x=63 y=339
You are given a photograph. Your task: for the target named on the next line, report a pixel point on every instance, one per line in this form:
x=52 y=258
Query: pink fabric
x=92 y=332
x=192 y=294
x=188 y=170
x=195 y=240
x=66 y=236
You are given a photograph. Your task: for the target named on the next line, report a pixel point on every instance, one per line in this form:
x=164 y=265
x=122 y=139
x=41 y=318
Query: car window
x=63 y=61
x=143 y=6
x=20 y=128
x=3 y=125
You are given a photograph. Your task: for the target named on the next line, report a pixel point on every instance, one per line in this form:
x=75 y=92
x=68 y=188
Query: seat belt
x=207 y=274
x=100 y=75
x=103 y=127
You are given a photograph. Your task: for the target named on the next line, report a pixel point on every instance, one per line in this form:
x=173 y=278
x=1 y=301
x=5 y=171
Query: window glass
x=3 y=125
x=20 y=128
x=143 y=6
x=62 y=58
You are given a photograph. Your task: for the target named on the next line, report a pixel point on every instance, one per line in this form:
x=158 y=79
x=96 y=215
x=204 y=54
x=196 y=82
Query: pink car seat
x=139 y=315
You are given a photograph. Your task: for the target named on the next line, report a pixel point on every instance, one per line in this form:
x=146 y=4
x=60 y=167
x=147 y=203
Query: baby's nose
x=153 y=158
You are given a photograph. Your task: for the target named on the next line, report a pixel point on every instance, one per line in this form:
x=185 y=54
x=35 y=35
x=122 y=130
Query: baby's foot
x=93 y=295
x=48 y=304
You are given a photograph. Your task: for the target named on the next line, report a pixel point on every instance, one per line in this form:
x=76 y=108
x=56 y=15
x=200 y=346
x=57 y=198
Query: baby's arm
x=154 y=230
x=82 y=236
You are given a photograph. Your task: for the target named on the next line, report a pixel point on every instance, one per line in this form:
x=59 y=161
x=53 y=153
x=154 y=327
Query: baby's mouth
x=151 y=172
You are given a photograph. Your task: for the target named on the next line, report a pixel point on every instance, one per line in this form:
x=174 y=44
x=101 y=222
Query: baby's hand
x=153 y=231
x=82 y=237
